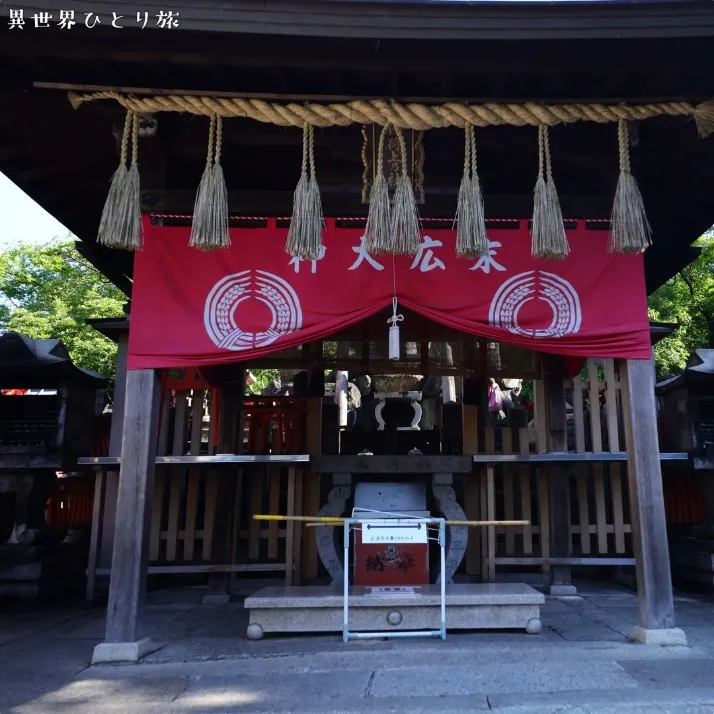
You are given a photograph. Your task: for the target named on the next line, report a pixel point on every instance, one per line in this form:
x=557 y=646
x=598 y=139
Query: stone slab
x=607 y=701
x=274 y=690
x=458 y=594
x=672 y=637
x=524 y=677
x=131 y=692
x=577 y=627
x=671 y=673
x=468 y=607
x=122 y=651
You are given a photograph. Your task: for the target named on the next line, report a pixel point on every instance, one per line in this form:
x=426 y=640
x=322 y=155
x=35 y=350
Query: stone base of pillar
x=563 y=590
x=115 y=652
x=672 y=637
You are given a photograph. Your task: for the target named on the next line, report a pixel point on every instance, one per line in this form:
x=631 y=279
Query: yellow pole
x=468 y=524
x=315 y=521
x=303 y=519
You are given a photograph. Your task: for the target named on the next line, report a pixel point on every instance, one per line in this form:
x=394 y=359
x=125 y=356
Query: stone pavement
x=581 y=663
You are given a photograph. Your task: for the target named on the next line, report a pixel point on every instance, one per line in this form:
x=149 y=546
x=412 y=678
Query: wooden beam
x=312 y=478
x=210 y=569
x=472 y=488
x=560 y=562
x=559 y=476
x=229 y=442
x=445 y=66
x=343 y=200
x=108 y=525
x=649 y=525
x=127 y=588
x=95 y=534
x=409 y=21
x=358 y=54
x=392 y=464
x=49 y=171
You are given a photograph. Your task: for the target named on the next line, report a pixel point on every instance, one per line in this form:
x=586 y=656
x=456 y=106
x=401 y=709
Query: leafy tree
x=263 y=377
x=688 y=300
x=49 y=291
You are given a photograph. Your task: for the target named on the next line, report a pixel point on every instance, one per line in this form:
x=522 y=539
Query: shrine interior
x=459 y=426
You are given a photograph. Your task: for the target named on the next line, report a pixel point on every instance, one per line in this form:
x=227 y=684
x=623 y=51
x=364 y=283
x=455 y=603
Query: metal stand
x=394 y=523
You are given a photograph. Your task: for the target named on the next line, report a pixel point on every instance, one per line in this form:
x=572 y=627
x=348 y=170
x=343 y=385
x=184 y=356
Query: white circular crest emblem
x=558 y=293
x=219 y=315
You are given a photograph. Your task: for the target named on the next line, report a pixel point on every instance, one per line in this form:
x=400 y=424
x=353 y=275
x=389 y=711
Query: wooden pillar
x=472 y=488
x=559 y=475
x=311 y=490
x=106 y=484
x=230 y=434
x=649 y=526
x=488 y=510
x=115 y=439
x=124 y=637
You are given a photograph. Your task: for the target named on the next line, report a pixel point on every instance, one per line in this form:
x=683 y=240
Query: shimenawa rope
x=419 y=117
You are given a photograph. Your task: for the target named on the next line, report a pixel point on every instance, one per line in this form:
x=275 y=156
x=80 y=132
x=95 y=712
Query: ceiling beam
x=345 y=201
x=327 y=54
x=611 y=97
x=56 y=171
x=451 y=21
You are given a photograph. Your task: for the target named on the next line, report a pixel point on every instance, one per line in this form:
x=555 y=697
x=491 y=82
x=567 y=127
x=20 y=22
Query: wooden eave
x=419 y=20
x=64 y=158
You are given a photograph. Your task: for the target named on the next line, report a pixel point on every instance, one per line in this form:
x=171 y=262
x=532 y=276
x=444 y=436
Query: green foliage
x=263 y=377
x=585 y=373
x=687 y=299
x=49 y=291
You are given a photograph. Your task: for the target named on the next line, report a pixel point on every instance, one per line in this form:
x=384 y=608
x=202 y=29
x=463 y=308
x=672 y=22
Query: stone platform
x=485 y=606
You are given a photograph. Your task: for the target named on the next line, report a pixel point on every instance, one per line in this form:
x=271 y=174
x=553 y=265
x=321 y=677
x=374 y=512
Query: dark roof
x=28 y=363
x=699 y=369
x=660 y=330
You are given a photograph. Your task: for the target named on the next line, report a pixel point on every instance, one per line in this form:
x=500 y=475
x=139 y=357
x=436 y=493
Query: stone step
x=482 y=606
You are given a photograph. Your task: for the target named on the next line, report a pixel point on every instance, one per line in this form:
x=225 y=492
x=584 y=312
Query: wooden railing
x=518 y=487
x=202 y=512
x=203 y=503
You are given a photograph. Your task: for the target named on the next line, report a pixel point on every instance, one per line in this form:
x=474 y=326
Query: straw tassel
x=630 y=230
x=378 y=232
x=120 y=224
x=210 y=227
x=307 y=223
x=548 y=239
x=704 y=118
x=471 y=240
x=405 y=216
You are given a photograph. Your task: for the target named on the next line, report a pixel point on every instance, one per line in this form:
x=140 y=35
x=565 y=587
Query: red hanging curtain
x=193 y=308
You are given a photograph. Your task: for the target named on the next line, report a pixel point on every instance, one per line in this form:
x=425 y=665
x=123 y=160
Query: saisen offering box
x=391 y=551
